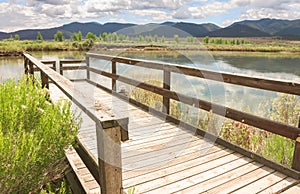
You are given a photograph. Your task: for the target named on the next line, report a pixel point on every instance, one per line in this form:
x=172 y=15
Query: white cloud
x=16 y=14
x=210 y=9
x=270 y=13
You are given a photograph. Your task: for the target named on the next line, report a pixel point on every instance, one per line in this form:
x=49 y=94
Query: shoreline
x=20 y=53
x=16 y=48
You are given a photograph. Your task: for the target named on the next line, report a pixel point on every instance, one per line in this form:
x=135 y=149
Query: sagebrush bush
x=33 y=135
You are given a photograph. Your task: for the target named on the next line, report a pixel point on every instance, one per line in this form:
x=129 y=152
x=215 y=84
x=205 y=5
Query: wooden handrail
x=242 y=80
x=237 y=79
x=108 y=126
x=259 y=122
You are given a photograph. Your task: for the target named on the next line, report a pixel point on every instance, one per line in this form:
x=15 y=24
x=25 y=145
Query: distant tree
x=17 y=37
x=114 y=37
x=206 y=40
x=11 y=38
x=79 y=35
x=148 y=38
x=141 y=38
x=176 y=38
x=155 y=38
x=237 y=42
x=59 y=37
x=190 y=39
x=91 y=36
x=75 y=36
x=103 y=36
x=39 y=37
x=122 y=37
x=162 y=39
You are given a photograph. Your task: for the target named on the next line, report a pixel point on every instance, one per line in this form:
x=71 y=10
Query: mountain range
x=289 y=29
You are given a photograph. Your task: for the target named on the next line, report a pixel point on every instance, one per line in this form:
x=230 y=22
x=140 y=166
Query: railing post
x=31 y=68
x=88 y=76
x=54 y=65
x=296 y=158
x=113 y=71
x=166 y=85
x=61 y=71
x=26 y=65
x=45 y=80
x=109 y=136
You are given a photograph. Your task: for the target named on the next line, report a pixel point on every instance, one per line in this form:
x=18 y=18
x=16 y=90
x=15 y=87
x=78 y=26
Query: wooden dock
x=161 y=155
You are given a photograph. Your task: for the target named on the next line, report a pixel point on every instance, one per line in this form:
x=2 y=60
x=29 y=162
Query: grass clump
x=33 y=135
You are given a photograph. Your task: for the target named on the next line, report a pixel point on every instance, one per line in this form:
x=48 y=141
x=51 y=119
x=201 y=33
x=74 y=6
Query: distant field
x=15 y=47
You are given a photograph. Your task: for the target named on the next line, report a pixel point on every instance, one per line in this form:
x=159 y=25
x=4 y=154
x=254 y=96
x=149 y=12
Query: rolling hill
x=289 y=29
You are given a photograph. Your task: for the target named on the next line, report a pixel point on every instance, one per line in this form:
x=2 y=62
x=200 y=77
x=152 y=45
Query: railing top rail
x=276 y=85
x=106 y=118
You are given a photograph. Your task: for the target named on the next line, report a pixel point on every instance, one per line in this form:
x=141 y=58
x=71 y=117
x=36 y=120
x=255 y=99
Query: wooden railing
x=242 y=80
x=109 y=128
x=282 y=129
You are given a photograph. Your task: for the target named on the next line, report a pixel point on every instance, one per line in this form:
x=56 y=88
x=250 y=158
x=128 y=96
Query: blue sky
x=24 y=14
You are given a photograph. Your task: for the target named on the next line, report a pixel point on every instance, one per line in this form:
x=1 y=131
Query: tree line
x=115 y=37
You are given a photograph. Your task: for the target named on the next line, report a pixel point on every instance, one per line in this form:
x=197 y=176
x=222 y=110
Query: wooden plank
x=194 y=160
x=174 y=146
x=262 y=183
x=189 y=169
x=218 y=176
x=72 y=61
x=204 y=176
x=161 y=134
x=77 y=165
x=168 y=160
x=141 y=132
x=293 y=190
x=238 y=79
x=242 y=181
x=279 y=186
x=157 y=144
x=63 y=68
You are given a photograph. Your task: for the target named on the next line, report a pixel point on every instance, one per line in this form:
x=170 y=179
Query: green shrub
x=33 y=135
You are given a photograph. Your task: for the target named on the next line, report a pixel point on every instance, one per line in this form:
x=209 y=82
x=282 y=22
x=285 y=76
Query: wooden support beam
x=296 y=158
x=167 y=86
x=114 y=72
x=88 y=76
x=61 y=71
x=109 y=157
x=45 y=80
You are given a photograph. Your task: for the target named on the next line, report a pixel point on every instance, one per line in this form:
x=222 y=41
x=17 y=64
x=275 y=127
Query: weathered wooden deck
x=163 y=154
x=160 y=157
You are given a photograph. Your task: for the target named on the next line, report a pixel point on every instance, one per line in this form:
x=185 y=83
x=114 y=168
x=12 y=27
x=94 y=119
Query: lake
x=266 y=65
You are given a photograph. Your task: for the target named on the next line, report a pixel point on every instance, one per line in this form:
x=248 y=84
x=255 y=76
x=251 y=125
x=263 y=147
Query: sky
x=39 y=14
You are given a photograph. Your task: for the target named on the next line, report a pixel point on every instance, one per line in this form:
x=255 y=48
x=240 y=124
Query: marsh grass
x=285 y=109
x=33 y=135
x=9 y=46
